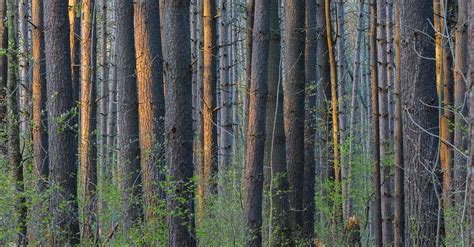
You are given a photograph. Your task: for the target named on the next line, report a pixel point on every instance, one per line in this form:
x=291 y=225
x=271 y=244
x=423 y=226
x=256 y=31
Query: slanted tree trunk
x=127 y=121
x=61 y=138
x=39 y=121
x=88 y=121
x=310 y=119
x=279 y=231
x=151 y=107
x=13 y=130
x=324 y=92
x=294 y=92
x=375 y=134
x=334 y=101
x=461 y=66
x=399 y=166
x=418 y=97
x=178 y=123
x=253 y=184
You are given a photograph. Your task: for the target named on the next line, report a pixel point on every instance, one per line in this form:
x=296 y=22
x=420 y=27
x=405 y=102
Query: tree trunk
x=13 y=130
x=334 y=102
x=447 y=117
x=461 y=131
x=275 y=157
x=3 y=60
x=74 y=41
x=208 y=177
x=39 y=128
x=178 y=123
x=471 y=120
x=103 y=78
x=250 y=15
x=62 y=162
x=375 y=139
x=294 y=92
x=310 y=119
x=88 y=120
x=151 y=107
x=324 y=92
x=399 y=173
x=256 y=125
x=23 y=64
x=225 y=152
x=341 y=101
x=418 y=97
x=355 y=81
x=387 y=229
x=128 y=130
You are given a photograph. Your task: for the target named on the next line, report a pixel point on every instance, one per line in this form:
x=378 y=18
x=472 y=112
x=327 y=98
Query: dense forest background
x=236 y=122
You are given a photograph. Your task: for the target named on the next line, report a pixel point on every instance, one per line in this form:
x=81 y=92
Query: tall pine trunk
x=127 y=116
x=418 y=95
x=39 y=121
x=3 y=60
x=461 y=67
x=293 y=105
x=13 y=129
x=88 y=120
x=310 y=119
x=151 y=107
x=399 y=165
x=375 y=134
x=178 y=123
x=61 y=138
x=253 y=184
x=209 y=169
x=276 y=179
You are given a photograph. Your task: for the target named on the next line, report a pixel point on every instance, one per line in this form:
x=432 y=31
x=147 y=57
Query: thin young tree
x=294 y=92
x=39 y=120
x=375 y=134
x=178 y=122
x=61 y=138
x=420 y=121
x=13 y=129
x=279 y=231
x=253 y=184
x=151 y=107
x=88 y=120
x=127 y=115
